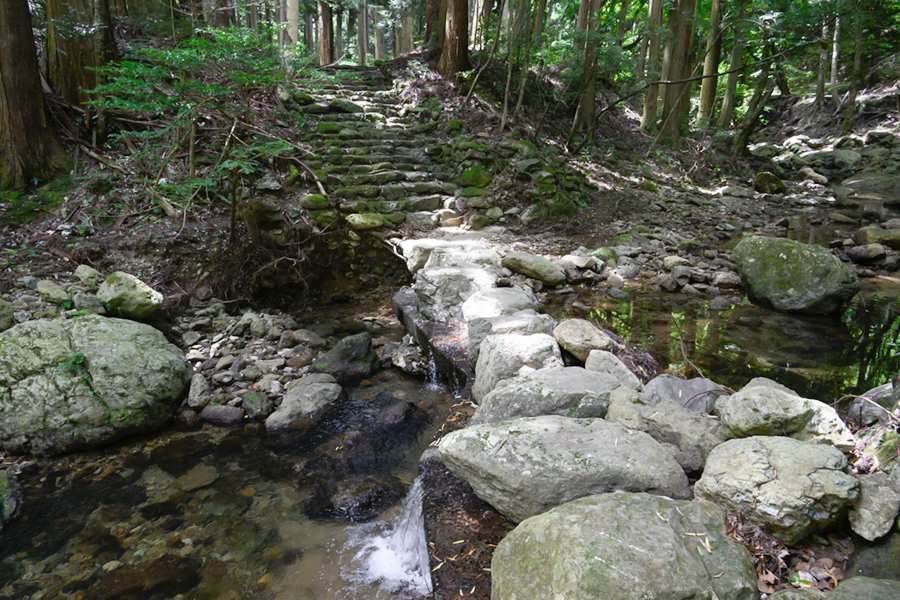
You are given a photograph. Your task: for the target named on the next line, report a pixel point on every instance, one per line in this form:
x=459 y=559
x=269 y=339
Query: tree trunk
x=621 y=24
x=379 y=36
x=764 y=89
x=677 y=50
x=29 y=150
x=857 y=65
x=455 y=53
x=432 y=25
x=836 y=98
x=737 y=55
x=710 y=69
x=339 y=33
x=651 y=95
x=581 y=25
x=823 y=66
x=309 y=35
x=588 y=104
x=540 y=16
x=293 y=19
x=326 y=34
x=406 y=31
x=362 y=35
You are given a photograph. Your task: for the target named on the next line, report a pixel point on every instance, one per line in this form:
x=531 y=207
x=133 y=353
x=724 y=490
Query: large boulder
x=440 y=293
x=872 y=234
x=688 y=435
x=536 y=267
x=506 y=355
x=764 y=407
x=72 y=385
x=857 y=588
x=623 y=547
x=523 y=322
x=601 y=361
x=789 y=487
x=879 y=502
x=11 y=497
x=456 y=256
x=793 y=276
x=527 y=466
x=498 y=302
x=698 y=394
x=579 y=337
x=351 y=358
x=305 y=403
x=564 y=391
x=125 y=295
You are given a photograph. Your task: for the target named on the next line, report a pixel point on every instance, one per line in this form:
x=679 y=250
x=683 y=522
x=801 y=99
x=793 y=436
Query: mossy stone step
x=356 y=192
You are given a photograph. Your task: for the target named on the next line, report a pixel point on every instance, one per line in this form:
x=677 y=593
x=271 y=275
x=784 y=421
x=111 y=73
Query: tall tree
x=726 y=115
x=584 y=116
x=651 y=96
x=455 y=51
x=681 y=29
x=362 y=33
x=326 y=33
x=710 y=68
x=293 y=19
x=29 y=149
x=379 y=35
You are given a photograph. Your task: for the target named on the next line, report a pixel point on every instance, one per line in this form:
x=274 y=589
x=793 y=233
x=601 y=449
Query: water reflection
x=818 y=357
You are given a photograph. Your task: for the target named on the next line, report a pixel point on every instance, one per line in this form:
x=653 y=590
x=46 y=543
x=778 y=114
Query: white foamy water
x=394 y=555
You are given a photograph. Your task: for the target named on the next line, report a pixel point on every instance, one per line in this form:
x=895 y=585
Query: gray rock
x=790 y=488
x=795 y=277
x=688 y=435
x=88 y=275
x=310 y=338
x=857 y=588
x=12 y=498
x=563 y=391
x=504 y=356
x=268 y=183
x=726 y=280
x=763 y=407
x=441 y=292
x=422 y=220
x=523 y=322
x=798 y=594
x=257 y=405
x=199 y=393
x=628 y=271
x=602 y=361
x=82 y=301
x=352 y=358
x=536 y=267
x=78 y=384
x=125 y=295
x=418 y=251
x=579 y=337
x=879 y=502
x=867 y=253
x=527 y=466
x=879 y=559
x=623 y=547
x=498 y=302
x=307 y=398
x=6 y=315
x=52 y=292
x=222 y=414
x=873 y=234
x=457 y=257
x=873 y=406
x=698 y=394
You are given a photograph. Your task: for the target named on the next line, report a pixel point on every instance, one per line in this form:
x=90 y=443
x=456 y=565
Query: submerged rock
x=527 y=466
x=351 y=358
x=623 y=546
x=11 y=498
x=357 y=498
x=78 y=384
x=795 y=277
x=790 y=488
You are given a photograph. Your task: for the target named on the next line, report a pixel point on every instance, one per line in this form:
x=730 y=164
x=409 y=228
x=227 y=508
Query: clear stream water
x=218 y=514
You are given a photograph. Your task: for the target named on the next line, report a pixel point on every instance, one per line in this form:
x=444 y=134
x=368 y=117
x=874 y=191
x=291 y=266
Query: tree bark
x=836 y=98
x=621 y=24
x=339 y=32
x=857 y=64
x=581 y=25
x=764 y=89
x=455 y=53
x=651 y=96
x=309 y=34
x=362 y=34
x=293 y=19
x=406 y=31
x=326 y=34
x=379 y=36
x=710 y=69
x=677 y=50
x=585 y=114
x=737 y=55
x=29 y=150
x=432 y=25
x=823 y=66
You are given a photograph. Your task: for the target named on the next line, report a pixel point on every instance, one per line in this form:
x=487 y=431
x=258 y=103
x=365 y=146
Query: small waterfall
x=432 y=378
x=394 y=555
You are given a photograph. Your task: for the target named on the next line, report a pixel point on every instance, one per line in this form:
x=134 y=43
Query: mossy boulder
x=476 y=177
x=795 y=277
x=11 y=497
x=454 y=126
x=314 y=202
x=327 y=128
x=340 y=105
x=365 y=220
x=768 y=183
x=127 y=296
x=6 y=315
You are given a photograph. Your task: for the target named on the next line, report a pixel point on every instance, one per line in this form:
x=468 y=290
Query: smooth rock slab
x=563 y=391
x=498 y=302
x=698 y=394
x=536 y=267
x=579 y=337
x=790 y=488
x=82 y=383
x=440 y=293
x=527 y=466
x=506 y=355
x=601 y=361
x=623 y=547
x=524 y=322
x=417 y=252
x=306 y=399
x=792 y=276
x=859 y=588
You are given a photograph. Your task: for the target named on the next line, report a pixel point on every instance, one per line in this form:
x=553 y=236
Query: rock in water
x=527 y=466
x=790 y=488
x=72 y=385
x=794 y=277
x=351 y=358
x=623 y=547
x=11 y=497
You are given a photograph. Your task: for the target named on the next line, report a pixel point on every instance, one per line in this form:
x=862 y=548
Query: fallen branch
x=105 y=161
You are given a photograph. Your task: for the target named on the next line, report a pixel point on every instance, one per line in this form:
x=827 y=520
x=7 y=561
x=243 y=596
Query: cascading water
x=394 y=555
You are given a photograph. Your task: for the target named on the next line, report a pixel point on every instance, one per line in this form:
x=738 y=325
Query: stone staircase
x=380 y=166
